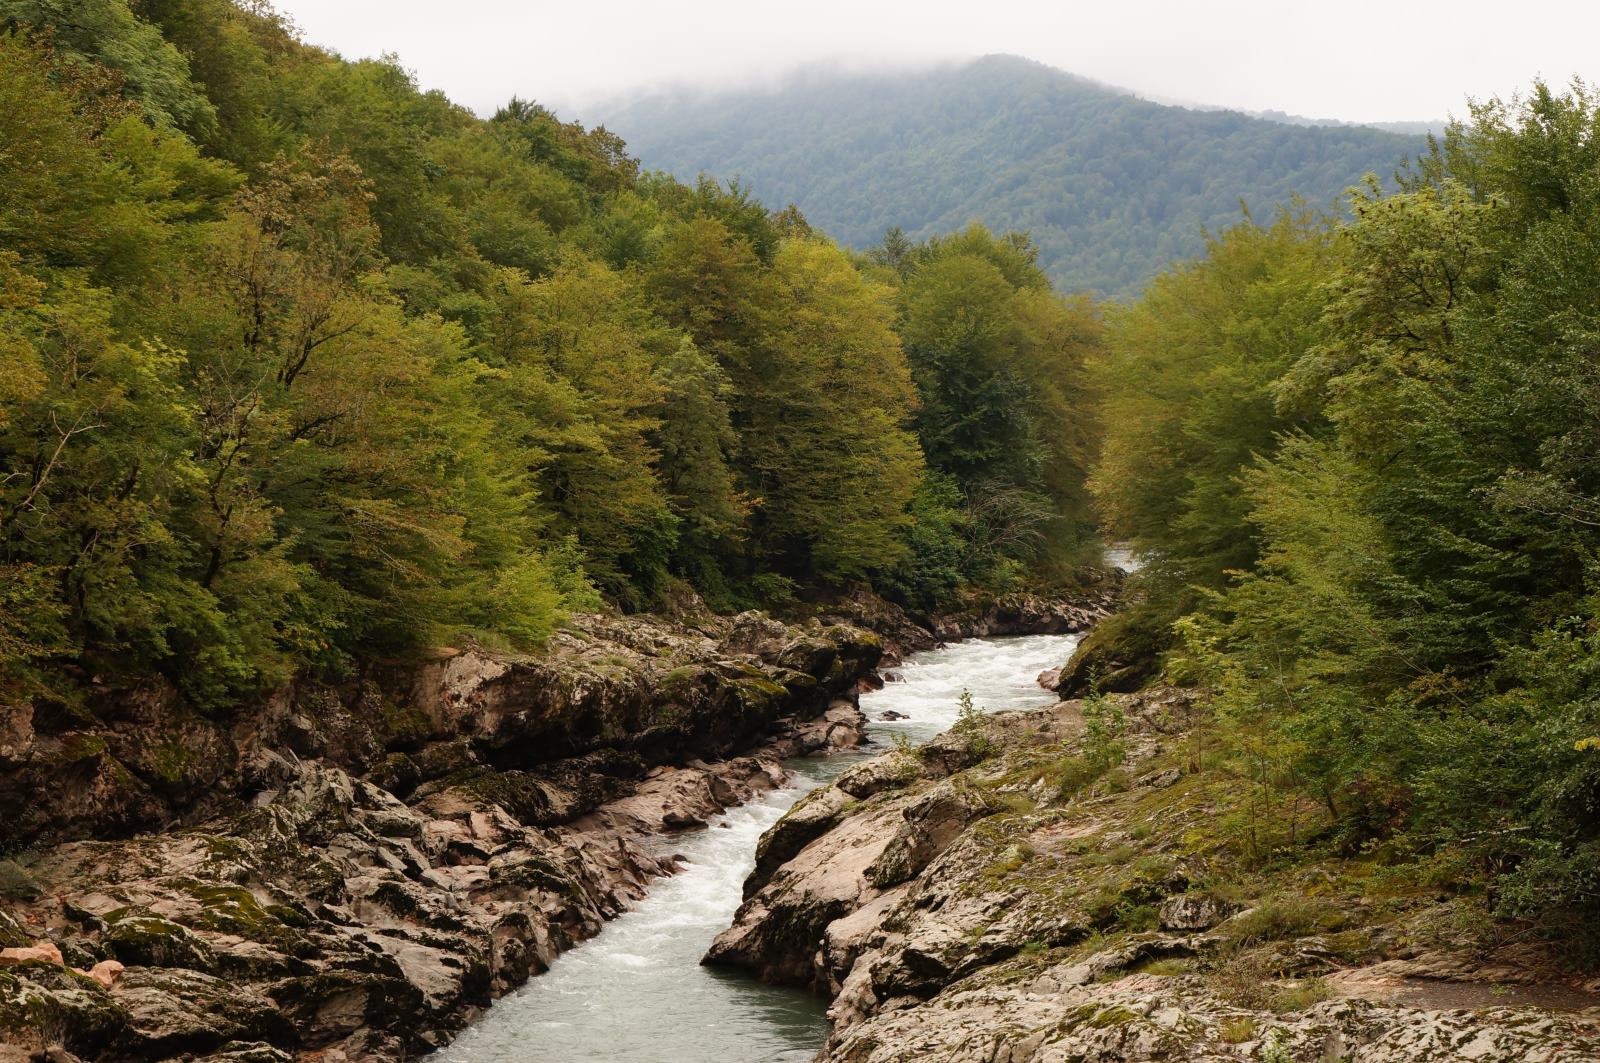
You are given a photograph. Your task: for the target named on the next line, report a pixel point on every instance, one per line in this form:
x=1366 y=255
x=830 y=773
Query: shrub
x=1237 y=1029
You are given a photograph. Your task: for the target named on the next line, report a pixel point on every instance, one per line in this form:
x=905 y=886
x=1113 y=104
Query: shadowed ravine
x=637 y=993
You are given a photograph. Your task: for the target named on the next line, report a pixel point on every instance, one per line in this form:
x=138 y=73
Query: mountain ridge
x=1112 y=186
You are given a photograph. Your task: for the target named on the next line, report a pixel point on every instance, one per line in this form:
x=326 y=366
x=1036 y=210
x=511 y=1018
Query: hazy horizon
x=1378 y=62
x=600 y=108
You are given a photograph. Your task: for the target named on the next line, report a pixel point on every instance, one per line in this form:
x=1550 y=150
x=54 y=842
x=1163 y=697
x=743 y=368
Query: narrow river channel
x=637 y=993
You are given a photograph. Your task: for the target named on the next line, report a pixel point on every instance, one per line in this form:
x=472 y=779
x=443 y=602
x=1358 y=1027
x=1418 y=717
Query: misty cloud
x=1368 y=60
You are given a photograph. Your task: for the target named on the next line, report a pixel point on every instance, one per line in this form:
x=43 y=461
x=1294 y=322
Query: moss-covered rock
x=329 y=1006
x=171 y=1011
x=16 y=884
x=996 y=911
x=150 y=941
x=12 y=934
x=1121 y=654
x=231 y=909
x=372 y=862
x=43 y=1004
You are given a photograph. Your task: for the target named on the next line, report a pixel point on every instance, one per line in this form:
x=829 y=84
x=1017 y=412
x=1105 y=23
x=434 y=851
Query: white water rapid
x=637 y=993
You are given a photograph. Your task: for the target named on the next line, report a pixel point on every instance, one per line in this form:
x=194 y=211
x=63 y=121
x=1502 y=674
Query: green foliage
x=106 y=33
x=1112 y=187
x=697 y=443
x=1004 y=416
x=1122 y=652
x=1104 y=726
x=934 y=566
x=832 y=462
x=1369 y=469
x=303 y=365
x=1237 y=1029
x=971 y=721
x=1189 y=375
x=1281 y=918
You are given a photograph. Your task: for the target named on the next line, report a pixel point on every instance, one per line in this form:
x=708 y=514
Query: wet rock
x=681 y=821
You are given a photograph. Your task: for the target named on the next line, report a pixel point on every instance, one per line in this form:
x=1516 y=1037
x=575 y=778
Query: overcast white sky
x=1359 y=60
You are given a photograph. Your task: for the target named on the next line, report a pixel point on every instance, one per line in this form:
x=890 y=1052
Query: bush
x=1280 y=918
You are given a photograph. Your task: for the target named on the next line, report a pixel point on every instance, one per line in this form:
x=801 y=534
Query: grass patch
x=1013 y=858
x=1281 y=918
x=1115 y=856
x=1237 y=1029
x=1248 y=982
x=1137 y=917
x=1299 y=995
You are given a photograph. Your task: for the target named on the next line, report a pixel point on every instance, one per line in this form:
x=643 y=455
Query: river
x=636 y=993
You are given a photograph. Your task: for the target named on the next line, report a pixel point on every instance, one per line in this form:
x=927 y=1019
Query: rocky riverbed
x=1076 y=884
x=354 y=871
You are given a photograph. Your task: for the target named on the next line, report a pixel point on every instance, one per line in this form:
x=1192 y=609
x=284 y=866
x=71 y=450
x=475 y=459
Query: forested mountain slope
x=300 y=365
x=1112 y=188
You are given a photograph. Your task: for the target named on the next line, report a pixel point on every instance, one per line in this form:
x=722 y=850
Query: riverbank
x=368 y=867
x=1080 y=882
x=638 y=993
x=355 y=873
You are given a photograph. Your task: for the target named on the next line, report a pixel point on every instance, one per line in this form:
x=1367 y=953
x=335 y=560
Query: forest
x=303 y=366
x=1112 y=188
x=1359 y=462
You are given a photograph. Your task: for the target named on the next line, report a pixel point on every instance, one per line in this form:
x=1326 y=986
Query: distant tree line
x=1112 y=188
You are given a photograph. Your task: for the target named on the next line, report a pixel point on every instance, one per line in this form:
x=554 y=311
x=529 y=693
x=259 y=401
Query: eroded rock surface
x=352 y=873
x=1026 y=890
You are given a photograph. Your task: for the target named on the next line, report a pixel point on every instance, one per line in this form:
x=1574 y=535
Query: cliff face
x=1081 y=883
x=630 y=693
x=354 y=871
